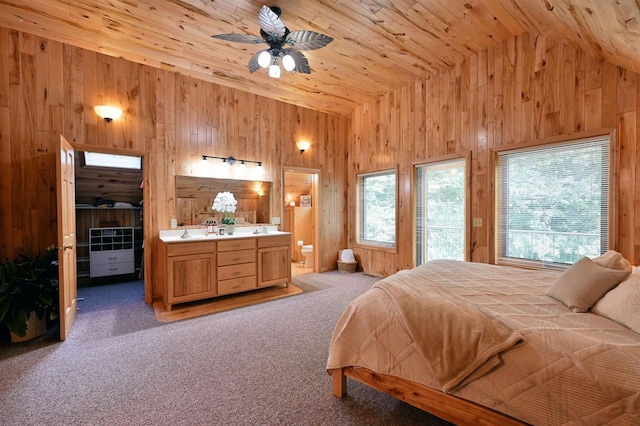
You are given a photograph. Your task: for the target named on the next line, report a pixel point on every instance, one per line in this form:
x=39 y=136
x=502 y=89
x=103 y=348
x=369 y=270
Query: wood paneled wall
x=49 y=88
x=527 y=89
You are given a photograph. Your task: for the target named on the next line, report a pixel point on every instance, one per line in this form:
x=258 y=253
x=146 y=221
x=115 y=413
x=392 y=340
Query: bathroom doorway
x=301 y=218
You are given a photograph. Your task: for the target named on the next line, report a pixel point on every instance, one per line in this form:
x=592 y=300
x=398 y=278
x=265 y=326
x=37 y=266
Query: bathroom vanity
x=202 y=266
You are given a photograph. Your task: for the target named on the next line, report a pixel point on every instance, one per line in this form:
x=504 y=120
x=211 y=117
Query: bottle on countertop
x=215 y=227
x=209 y=227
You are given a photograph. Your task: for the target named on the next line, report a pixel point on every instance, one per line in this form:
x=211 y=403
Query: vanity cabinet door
x=191 y=269
x=274 y=260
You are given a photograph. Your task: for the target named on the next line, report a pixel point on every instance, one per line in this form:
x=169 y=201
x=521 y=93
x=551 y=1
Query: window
x=440 y=211
x=553 y=204
x=377 y=208
x=98 y=159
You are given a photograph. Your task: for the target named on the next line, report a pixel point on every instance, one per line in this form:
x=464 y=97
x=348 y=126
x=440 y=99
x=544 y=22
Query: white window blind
x=553 y=204
x=440 y=211
x=377 y=208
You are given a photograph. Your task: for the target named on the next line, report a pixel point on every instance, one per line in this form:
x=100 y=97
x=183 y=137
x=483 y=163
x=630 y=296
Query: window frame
x=369 y=244
x=612 y=230
x=442 y=160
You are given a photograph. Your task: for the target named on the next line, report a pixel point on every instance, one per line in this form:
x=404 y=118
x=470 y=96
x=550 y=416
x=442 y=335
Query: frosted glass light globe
x=288 y=63
x=264 y=59
x=274 y=71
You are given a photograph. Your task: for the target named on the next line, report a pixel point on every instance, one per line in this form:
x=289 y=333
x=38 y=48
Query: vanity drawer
x=236 y=271
x=280 y=240
x=237 y=256
x=180 y=249
x=239 y=244
x=236 y=285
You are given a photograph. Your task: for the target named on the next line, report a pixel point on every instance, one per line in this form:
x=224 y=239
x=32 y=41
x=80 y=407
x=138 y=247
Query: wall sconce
x=303 y=146
x=231 y=161
x=109 y=113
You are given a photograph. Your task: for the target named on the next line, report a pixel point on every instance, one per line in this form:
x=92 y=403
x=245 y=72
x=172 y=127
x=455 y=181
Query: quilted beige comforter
x=574 y=368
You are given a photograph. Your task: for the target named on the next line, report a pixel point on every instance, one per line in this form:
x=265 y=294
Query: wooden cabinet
x=191 y=272
x=204 y=269
x=274 y=266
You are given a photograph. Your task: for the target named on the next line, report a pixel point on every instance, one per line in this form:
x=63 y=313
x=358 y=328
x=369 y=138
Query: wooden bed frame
x=440 y=404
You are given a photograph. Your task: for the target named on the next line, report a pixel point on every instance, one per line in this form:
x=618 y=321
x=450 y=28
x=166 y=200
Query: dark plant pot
x=37 y=327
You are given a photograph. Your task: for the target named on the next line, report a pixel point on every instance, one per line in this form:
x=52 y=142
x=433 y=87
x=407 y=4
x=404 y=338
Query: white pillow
x=622 y=304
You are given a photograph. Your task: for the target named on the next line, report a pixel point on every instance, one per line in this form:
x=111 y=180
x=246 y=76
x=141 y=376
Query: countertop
x=200 y=234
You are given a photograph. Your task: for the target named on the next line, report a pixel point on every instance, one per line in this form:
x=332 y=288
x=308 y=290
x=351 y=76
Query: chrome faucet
x=186 y=234
x=261 y=230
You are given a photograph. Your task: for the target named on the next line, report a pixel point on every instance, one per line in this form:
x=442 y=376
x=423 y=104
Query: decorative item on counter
x=225 y=203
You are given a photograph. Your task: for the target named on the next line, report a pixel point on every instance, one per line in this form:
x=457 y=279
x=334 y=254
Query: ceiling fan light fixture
x=288 y=62
x=264 y=59
x=274 y=33
x=274 y=70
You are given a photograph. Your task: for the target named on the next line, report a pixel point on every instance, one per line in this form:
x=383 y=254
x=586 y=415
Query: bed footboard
x=445 y=406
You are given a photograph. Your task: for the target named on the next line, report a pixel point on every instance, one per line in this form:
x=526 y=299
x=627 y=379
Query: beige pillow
x=622 y=304
x=580 y=286
x=614 y=260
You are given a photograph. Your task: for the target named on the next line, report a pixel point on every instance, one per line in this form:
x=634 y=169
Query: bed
x=524 y=357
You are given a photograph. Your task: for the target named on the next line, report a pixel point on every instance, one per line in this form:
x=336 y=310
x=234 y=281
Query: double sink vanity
x=201 y=266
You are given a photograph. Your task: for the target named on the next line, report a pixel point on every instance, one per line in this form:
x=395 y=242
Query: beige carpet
x=223 y=303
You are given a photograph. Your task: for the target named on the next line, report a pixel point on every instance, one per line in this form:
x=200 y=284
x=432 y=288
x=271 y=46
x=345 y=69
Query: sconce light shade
x=107 y=112
x=303 y=145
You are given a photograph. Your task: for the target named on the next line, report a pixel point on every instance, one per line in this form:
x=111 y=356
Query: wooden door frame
x=146 y=225
x=315 y=201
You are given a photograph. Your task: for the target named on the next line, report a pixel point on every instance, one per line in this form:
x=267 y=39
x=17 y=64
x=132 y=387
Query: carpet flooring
x=258 y=365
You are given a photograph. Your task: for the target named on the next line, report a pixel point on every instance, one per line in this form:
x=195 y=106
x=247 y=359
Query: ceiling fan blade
x=308 y=40
x=270 y=22
x=302 y=64
x=253 y=62
x=239 y=38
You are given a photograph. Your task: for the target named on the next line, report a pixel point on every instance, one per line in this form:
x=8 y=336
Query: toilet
x=307 y=252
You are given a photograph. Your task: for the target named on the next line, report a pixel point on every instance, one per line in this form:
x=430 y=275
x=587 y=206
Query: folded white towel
x=347 y=256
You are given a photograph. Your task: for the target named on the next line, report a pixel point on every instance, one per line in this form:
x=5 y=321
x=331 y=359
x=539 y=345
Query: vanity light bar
x=231 y=160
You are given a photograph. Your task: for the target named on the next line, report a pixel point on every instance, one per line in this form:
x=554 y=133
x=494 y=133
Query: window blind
x=553 y=203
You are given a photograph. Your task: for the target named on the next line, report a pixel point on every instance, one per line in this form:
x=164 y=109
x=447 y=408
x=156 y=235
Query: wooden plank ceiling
x=378 y=44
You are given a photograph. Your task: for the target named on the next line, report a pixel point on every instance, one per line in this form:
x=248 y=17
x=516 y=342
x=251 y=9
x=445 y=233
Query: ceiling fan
x=283 y=44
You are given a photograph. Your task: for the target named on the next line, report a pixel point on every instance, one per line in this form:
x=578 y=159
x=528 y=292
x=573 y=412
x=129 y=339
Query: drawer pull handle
x=236 y=287
x=113 y=269
x=235 y=259
x=113 y=258
x=237 y=273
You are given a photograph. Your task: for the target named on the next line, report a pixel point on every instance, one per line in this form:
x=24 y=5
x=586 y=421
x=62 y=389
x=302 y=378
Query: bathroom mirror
x=195 y=196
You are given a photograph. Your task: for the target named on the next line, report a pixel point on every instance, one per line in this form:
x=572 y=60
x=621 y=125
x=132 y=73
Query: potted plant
x=28 y=292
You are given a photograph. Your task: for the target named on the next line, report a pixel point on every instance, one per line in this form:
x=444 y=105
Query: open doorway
x=301 y=204
x=109 y=225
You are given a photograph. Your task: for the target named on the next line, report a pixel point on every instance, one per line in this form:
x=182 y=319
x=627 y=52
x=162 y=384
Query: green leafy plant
x=28 y=285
